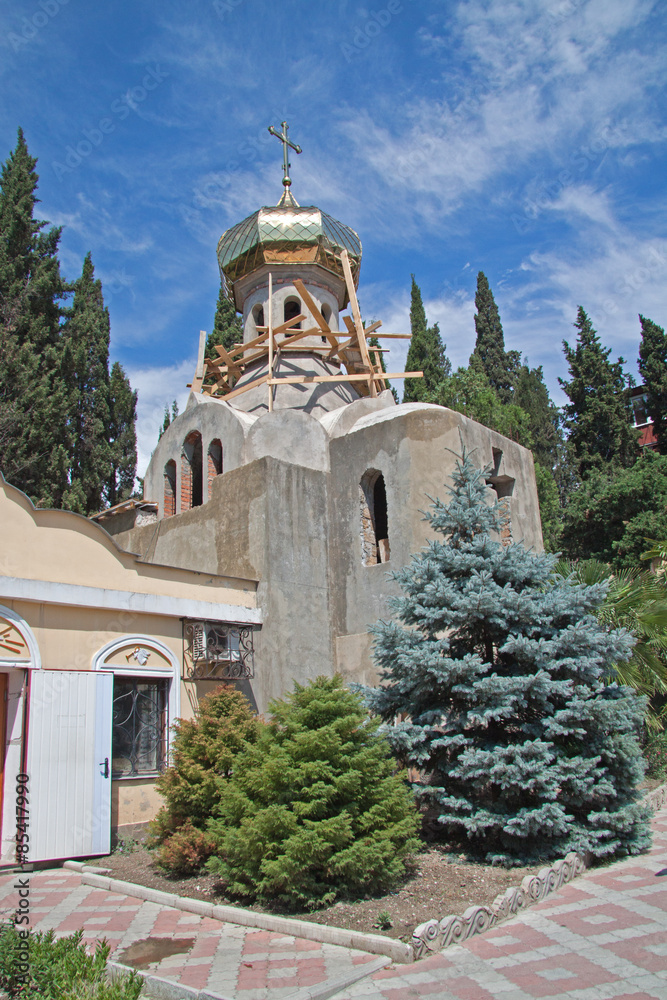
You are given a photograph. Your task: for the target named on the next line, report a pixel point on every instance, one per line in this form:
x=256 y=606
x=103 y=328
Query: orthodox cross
x=286 y=142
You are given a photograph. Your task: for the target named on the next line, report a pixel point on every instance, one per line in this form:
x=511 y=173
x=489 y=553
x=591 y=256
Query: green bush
x=58 y=969
x=203 y=753
x=314 y=810
x=655 y=755
x=185 y=851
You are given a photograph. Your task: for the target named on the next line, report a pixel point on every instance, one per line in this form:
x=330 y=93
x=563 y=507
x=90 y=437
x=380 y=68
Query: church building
x=292 y=463
x=276 y=507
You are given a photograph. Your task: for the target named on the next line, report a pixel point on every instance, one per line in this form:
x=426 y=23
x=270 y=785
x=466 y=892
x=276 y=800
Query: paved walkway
x=602 y=937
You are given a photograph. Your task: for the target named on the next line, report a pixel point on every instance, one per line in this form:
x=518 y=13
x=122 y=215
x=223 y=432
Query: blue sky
x=524 y=139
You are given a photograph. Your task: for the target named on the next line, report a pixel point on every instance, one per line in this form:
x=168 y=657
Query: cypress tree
x=86 y=335
x=653 y=370
x=122 y=436
x=34 y=443
x=426 y=353
x=499 y=365
x=598 y=414
x=227 y=329
x=525 y=749
x=532 y=395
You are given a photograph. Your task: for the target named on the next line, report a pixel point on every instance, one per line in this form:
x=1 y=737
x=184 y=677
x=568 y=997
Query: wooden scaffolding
x=220 y=376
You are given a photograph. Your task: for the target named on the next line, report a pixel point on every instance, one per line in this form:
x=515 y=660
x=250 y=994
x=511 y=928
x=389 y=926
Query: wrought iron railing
x=217 y=651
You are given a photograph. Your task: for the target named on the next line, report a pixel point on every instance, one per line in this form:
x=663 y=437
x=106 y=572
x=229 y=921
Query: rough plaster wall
x=266 y=521
x=412 y=446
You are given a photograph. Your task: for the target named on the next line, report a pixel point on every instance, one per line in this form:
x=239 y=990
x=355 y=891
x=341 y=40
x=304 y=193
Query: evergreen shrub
x=499 y=669
x=203 y=754
x=59 y=969
x=314 y=810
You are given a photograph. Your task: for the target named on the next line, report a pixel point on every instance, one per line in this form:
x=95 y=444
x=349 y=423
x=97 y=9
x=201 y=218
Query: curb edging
x=374 y=944
x=433 y=936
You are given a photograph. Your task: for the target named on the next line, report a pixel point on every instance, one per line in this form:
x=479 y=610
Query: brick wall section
x=186 y=483
x=170 y=489
x=214 y=463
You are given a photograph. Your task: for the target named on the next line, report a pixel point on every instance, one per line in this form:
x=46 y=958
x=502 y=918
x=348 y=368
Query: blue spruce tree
x=525 y=747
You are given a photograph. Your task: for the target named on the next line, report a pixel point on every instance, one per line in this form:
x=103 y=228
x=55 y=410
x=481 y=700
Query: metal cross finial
x=286 y=142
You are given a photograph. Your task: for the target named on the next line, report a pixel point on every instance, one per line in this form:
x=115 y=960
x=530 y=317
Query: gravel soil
x=437 y=885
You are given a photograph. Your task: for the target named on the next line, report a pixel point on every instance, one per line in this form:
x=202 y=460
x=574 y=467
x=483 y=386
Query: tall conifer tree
x=598 y=414
x=33 y=392
x=426 y=353
x=86 y=335
x=227 y=329
x=499 y=365
x=653 y=370
x=532 y=395
x=499 y=667
x=122 y=436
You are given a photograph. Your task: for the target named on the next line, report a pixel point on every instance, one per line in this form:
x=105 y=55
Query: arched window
x=191 y=472
x=326 y=316
x=170 y=488
x=374 y=520
x=258 y=315
x=292 y=309
x=214 y=462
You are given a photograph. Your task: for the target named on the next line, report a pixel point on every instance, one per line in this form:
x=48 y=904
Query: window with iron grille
x=140 y=725
x=217 y=651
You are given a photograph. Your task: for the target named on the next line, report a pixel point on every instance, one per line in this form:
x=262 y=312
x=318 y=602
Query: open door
x=69 y=763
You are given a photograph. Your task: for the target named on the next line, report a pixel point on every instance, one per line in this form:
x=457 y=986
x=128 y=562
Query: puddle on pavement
x=141 y=954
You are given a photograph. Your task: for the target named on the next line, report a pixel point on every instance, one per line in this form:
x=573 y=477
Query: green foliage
x=637 y=602
x=57 y=403
x=426 y=353
x=86 y=371
x=531 y=394
x=203 y=754
x=122 y=436
x=655 y=755
x=314 y=810
x=610 y=516
x=498 y=666
x=186 y=850
x=653 y=371
x=227 y=329
x=34 y=395
x=498 y=365
x=598 y=414
x=59 y=970
x=469 y=391
x=550 y=510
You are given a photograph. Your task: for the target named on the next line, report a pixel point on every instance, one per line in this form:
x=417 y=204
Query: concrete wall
x=291 y=518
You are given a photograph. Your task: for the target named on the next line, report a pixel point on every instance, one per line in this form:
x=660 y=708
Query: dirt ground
x=438 y=886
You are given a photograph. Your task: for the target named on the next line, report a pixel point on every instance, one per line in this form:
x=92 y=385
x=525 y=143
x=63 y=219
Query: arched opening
x=291 y=310
x=258 y=316
x=191 y=472
x=326 y=316
x=374 y=518
x=214 y=462
x=170 y=488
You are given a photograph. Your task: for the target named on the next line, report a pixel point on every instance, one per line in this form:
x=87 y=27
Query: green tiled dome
x=287 y=234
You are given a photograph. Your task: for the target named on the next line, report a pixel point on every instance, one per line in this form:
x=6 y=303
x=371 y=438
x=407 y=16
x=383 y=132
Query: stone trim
x=436 y=935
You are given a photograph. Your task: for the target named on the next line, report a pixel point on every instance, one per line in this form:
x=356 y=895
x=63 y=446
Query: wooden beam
x=300 y=379
x=367 y=330
x=198 y=379
x=271 y=343
x=354 y=305
x=315 y=312
x=244 y=388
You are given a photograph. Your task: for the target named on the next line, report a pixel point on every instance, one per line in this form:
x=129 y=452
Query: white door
x=69 y=763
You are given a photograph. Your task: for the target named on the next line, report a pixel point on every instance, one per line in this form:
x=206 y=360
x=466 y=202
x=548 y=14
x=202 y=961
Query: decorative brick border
x=436 y=935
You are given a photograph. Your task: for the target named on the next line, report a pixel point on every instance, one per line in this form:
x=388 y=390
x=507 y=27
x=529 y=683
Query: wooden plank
x=367 y=330
x=354 y=305
x=286 y=326
x=244 y=388
x=299 y=379
x=315 y=312
x=271 y=343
